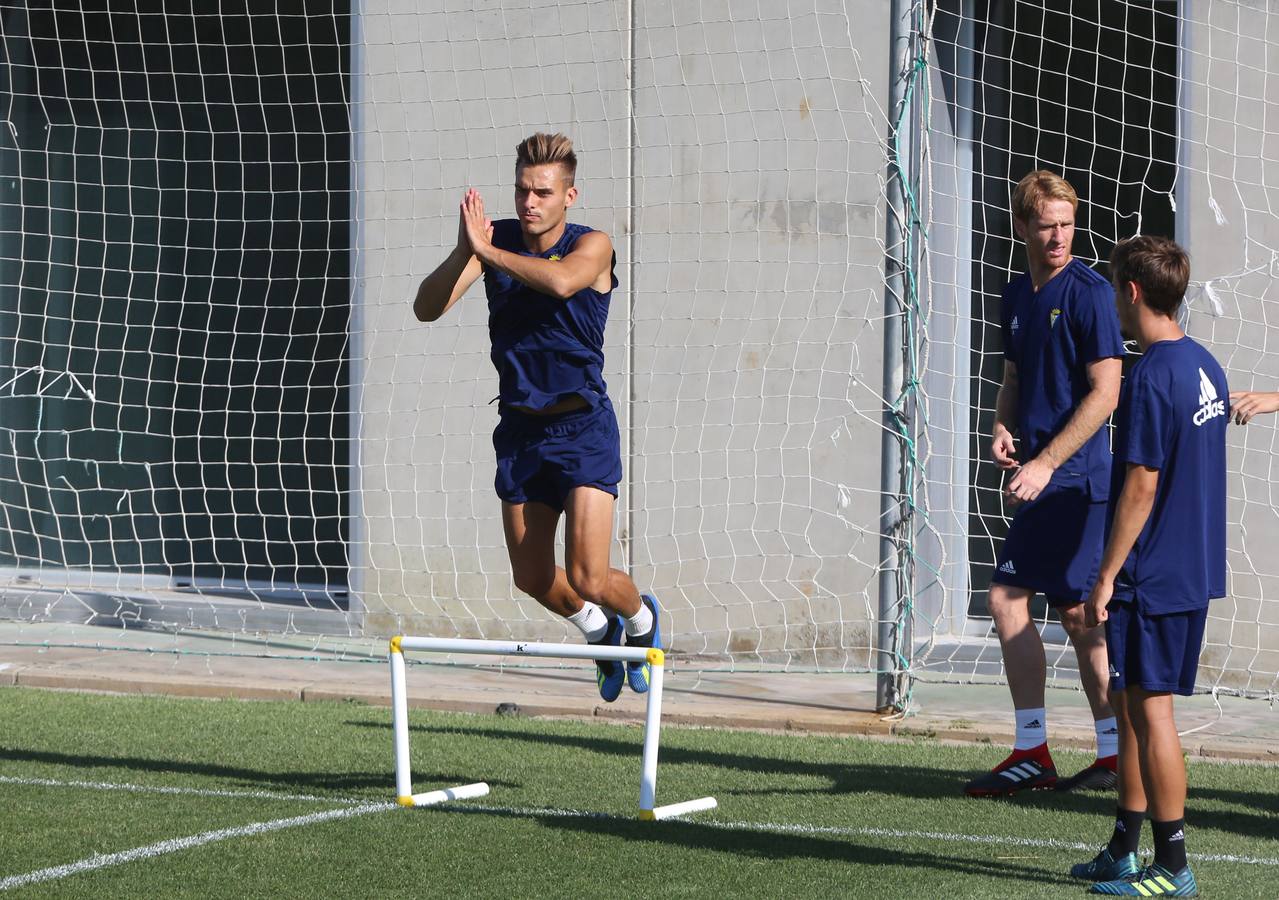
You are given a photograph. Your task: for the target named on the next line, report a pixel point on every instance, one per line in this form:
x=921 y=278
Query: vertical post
x=1181 y=187
x=400 y=725
x=896 y=288
x=652 y=728
x=632 y=272
x=357 y=532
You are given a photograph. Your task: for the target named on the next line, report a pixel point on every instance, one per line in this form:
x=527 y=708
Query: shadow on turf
x=329 y=780
x=894 y=780
x=773 y=845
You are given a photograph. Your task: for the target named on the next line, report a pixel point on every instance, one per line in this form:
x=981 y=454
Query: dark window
x=174 y=239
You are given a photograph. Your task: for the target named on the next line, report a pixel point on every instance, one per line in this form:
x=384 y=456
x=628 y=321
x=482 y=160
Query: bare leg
x=1090 y=650
x=1163 y=769
x=1132 y=792
x=588 y=537
x=1023 y=648
x=530 y=543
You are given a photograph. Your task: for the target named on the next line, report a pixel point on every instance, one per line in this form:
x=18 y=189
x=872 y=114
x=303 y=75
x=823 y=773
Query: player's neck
x=1153 y=328
x=540 y=243
x=1041 y=272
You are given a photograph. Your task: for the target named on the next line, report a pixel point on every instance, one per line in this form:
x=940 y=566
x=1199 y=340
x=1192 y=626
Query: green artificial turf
x=798 y=816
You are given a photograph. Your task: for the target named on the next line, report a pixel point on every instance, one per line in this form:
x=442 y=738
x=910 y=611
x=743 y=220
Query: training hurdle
x=652 y=717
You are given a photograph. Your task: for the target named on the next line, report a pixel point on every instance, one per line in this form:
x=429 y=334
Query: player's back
x=1173 y=417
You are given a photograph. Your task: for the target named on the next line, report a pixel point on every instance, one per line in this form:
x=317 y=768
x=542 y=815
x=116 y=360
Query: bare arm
x=1246 y=404
x=1002 y=447
x=452 y=278
x=1089 y=415
x=1131 y=512
x=442 y=288
x=591 y=257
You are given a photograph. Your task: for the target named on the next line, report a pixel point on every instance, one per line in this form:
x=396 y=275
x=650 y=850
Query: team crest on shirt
x=554 y=257
x=1052 y=317
x=1210 y=406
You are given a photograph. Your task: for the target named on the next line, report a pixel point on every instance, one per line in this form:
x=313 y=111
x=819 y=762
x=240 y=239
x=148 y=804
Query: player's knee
x=588 y=584
x=1004 y=604
x=536 y=583
x=1072 y=620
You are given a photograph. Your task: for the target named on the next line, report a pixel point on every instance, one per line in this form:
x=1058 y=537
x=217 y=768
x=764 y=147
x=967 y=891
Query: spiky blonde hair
x=546 y=149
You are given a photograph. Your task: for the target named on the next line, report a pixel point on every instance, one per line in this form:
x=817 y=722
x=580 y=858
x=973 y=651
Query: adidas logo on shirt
x=1015 y=324
x=1209 y=405
x=1008 y=567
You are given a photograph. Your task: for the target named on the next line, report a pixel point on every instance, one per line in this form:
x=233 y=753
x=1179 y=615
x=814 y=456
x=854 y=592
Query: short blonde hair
x=547 y=149
x=1037 y=188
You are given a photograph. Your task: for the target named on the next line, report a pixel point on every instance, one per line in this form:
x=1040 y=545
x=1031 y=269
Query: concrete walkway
x=197 y=665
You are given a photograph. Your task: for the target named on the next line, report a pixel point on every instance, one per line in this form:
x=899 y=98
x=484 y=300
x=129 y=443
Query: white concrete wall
x=754 y=273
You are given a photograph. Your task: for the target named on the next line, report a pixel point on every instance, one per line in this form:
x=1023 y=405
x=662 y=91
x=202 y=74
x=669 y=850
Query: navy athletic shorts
x=1157 y=653
x=541 y=458
x=1054 y=545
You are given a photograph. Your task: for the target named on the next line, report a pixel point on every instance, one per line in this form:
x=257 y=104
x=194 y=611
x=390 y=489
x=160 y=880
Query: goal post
x=655 y=657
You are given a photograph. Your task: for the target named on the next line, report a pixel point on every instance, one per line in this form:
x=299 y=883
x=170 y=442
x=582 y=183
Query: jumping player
x=1062 y=367
x=548 y=283
x=1165 y=558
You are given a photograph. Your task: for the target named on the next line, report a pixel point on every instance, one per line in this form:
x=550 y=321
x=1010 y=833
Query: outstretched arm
x=591 y=257
x=452 y=278
x=1246 y=404
x=1090 y=415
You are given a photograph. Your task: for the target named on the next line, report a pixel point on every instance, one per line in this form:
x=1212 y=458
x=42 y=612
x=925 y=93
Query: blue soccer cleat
x=1104 y=867
x=608 y=674
x=638 y=674
x=1152 y=881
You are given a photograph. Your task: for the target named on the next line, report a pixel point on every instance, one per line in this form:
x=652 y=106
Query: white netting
x=218 y=412
x=1160 y=121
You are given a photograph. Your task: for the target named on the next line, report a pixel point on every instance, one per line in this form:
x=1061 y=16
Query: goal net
x=218 y=415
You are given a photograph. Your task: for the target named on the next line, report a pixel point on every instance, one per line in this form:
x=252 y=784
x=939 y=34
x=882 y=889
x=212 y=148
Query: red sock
x=1108 y=762
x=1038 y=754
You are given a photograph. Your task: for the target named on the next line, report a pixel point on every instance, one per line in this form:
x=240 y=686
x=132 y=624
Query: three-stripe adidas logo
x=1008 y=567
x=1210 y=406
x=1022 y=772
x=1154 y=886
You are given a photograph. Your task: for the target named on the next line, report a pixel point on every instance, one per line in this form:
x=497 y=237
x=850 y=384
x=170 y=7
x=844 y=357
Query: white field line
x=853 y=831
x=159 y=789
x=536 y=812
x=173 y=845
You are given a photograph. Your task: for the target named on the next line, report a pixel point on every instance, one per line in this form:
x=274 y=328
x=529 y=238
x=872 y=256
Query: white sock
x=641 y=622
x=1032 y=728
x=1107 y=737
x=591 y=621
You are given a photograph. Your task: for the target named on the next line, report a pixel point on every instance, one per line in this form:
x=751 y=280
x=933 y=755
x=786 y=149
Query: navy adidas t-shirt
x=545 y=349
x=1051 y=335
x=1173 y=414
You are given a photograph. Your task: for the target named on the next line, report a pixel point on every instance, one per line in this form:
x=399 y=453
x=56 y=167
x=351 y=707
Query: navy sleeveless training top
x=545 y=349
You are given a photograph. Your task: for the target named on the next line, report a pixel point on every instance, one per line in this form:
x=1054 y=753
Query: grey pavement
x=137 y=661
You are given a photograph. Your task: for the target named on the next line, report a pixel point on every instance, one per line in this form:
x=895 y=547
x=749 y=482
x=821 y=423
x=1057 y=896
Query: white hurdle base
x=431 y=798
x=652 y=716
x=675 y=810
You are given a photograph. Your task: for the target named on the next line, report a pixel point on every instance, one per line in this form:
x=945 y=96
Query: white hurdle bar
x=652 y=717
